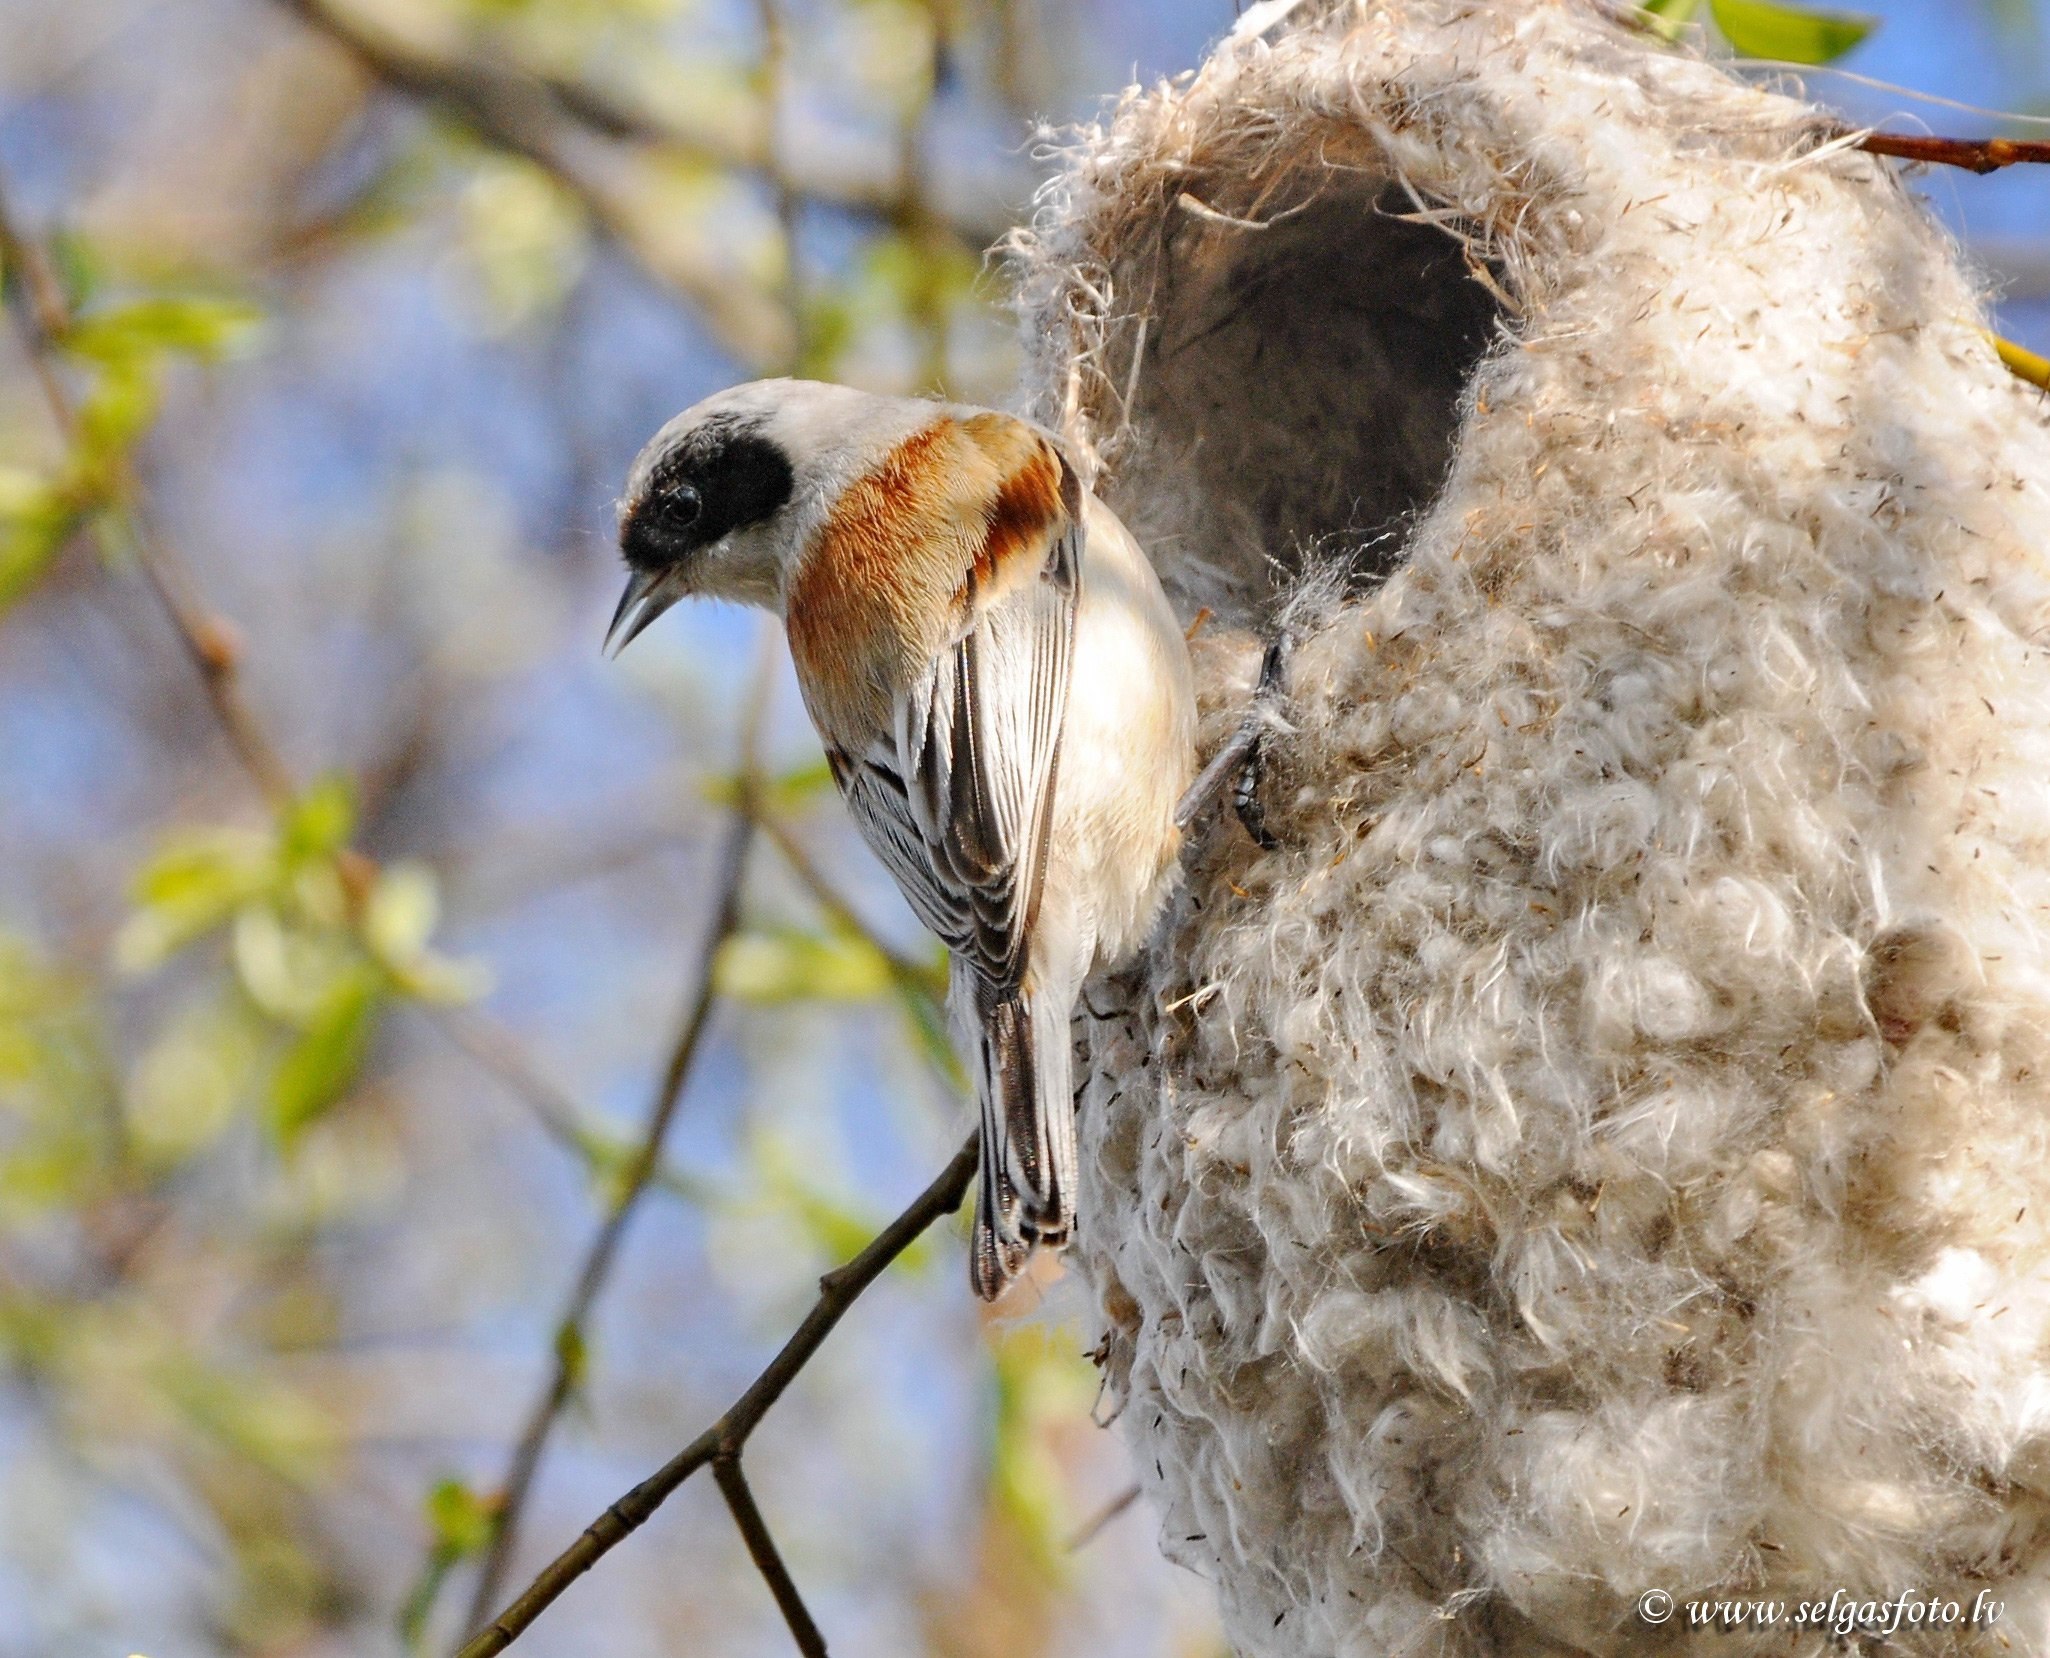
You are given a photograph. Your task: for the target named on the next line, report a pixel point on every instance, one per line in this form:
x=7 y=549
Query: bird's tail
x=1029 y=1170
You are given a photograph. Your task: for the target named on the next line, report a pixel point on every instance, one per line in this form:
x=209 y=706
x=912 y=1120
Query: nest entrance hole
x=1300 y=392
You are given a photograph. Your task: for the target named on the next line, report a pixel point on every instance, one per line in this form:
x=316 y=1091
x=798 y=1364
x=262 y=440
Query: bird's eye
x=680 y=504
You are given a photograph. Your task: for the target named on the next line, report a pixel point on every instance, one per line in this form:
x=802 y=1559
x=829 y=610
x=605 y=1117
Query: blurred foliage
x=1766 y=29
x=318 y=941
x=119 y=353
x=232 y=1160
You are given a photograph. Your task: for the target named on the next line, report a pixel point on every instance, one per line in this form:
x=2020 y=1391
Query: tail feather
x=1029 y=1168
x=1000 y=1251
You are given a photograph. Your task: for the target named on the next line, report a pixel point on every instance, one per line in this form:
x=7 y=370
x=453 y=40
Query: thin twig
x=517 y=113
x=498 y=1053
x=838 y=1291
x=1086 y=1533
x=761 y=1549
x=569 y=1341
x=835 y=904
x=588 y=141
x=43 y=315
x=512 y=103
x=1974 y=155
x=775 y=59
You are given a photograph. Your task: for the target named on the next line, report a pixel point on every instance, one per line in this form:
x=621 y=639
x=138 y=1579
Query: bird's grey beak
x=647 y=596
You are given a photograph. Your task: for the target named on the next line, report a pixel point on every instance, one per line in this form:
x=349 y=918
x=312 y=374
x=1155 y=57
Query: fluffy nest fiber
x=1605 y=1149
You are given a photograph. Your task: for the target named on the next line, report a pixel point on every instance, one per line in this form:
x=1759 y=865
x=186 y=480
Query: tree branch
x=1086 y=1533
x=838 y=1291
x=42 y=314
x=761 y=1549
x=1974 y=155
x=497 y=1051
x=586 y=138
x=518 y=113
x=570 y=1338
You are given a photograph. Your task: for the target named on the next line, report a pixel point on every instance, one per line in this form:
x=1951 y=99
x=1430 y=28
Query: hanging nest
x=1605 y=1149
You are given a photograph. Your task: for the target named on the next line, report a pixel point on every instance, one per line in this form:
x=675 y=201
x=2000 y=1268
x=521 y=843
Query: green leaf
x=318 y=1068
x=788 y=966
x=116 y=411
x=1789 y=34
x=460 y=1520
x=1669 y=18
x=788 y=791
x=462 y=1524
x=398 y=920
x=399 y=917
x=318 y=824
x=194 y=885
x=144 y=329
x=186 y=1087
x=36 y=515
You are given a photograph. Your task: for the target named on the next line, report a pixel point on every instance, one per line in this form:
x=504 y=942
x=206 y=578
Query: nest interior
x=1299 y=393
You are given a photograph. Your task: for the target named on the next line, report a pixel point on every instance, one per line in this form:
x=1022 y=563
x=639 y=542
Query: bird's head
x=723 y=500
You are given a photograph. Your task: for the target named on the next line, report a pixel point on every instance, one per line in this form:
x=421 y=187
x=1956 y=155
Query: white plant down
x=1606 y=1148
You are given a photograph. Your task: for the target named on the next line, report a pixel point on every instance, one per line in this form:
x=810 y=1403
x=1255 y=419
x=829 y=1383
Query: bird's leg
x=1240 y=761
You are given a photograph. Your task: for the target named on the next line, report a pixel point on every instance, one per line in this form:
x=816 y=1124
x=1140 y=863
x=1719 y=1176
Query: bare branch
x=212 y=644
x=775 y=57
x=836 y=906
x=569 y=1341
x=1086 y=1532
x=516 y=112
x=1974 y=155
x=588 y=140
x=838 y=1291
x=761 y=1549
x=497 y=1052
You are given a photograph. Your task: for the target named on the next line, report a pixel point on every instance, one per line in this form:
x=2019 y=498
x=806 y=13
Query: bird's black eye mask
x=723 y=476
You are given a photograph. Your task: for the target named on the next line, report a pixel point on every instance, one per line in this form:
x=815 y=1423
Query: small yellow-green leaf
x=190 y=1079
x=1670 y=17
x=290 y=972
x=573 y=1353
x=194 y=885
x=35 y=517
x=116 y=411
x=460 y=1520
x=445 y=981
x=318 y=1068
x=143 y=328
x=399 y=918
x=788 y=791
x=1789 y=34
x=792 y=966
x=320 y=821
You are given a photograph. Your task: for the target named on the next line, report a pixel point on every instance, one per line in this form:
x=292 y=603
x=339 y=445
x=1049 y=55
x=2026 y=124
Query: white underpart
x=1609 y=1148
x=1125 y=759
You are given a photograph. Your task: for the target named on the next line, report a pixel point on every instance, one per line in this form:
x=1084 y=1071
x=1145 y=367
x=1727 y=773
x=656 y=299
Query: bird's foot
x=1241 y=761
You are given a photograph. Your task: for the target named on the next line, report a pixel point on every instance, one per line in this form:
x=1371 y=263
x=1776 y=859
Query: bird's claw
x=1242 y=759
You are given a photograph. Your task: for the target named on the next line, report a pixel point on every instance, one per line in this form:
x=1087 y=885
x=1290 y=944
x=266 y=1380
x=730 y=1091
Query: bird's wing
x=956 y=798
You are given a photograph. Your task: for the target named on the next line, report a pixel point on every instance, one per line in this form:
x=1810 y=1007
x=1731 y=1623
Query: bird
x=1003 y=693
